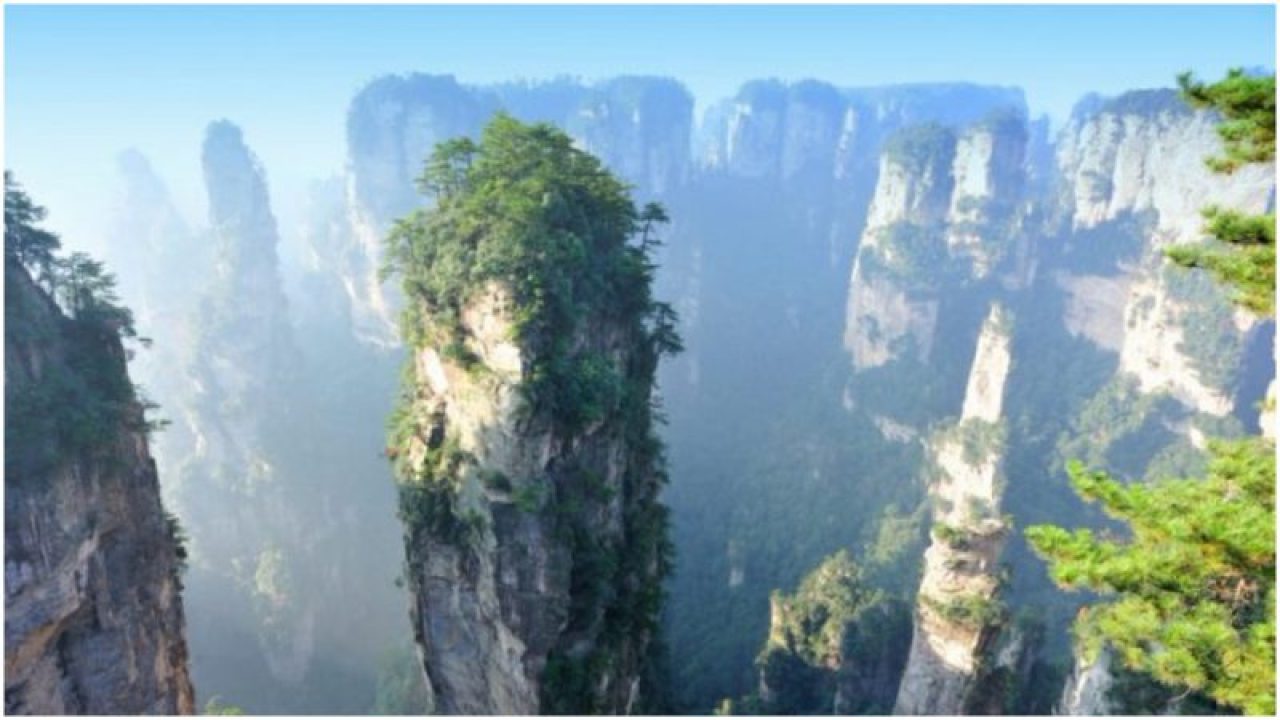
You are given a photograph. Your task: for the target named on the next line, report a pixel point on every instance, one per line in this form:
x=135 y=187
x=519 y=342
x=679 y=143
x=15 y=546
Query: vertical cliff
x=958 y=613
x=230 y=487
x=944 y=216
x=1133 y=182
x=524 y=441
x=93 y=609
x=277 y=468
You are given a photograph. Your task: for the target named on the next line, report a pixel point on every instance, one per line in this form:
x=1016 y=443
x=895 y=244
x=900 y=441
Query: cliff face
x=943 y=216
x=238 y=375
x=488 y=613
x=958 y=615
x=276 y=466
x=1133 y=175
x=1087 y=687
x=93 y=609
x=524 y=446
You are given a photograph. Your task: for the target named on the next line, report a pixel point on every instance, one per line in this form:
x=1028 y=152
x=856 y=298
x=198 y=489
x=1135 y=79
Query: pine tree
x=1191 y=593
x=1244 y=258
x=1194 y=586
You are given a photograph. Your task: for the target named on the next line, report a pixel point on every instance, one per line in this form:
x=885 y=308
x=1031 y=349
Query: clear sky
x=83 y=83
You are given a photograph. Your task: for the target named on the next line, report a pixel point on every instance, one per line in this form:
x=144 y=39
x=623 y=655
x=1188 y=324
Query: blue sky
x=83 y=83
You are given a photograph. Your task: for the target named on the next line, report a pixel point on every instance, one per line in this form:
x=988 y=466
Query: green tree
x=523 y=212
x=1194 y=585
x=1192 y=591
x=24 y=242
x=1244 y=258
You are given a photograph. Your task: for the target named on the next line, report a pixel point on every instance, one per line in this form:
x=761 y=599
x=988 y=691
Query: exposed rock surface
x=1087 y=687
x=1133 y=176
x=93 y=609
x=498 y=612
x=958 y=616
x=943 y=216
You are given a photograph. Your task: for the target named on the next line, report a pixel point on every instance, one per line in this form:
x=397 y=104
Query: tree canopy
x=24 y=241
x=1244 y=258
x=525 y=209
x=1189 y=596
x=1194 y=586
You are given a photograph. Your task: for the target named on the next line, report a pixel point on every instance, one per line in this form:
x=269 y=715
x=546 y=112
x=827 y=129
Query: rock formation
x=944 y=214
x=958 y=613
x=93 y=609
x=275 y=467
x=528 y=468
x=1133 y=176
x=1087 y=687
x=835 y=646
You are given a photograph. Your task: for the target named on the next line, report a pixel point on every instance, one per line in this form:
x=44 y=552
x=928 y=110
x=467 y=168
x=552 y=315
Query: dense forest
x=563 y=400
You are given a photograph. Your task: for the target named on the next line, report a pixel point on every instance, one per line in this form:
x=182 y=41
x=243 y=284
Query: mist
x=243 y=206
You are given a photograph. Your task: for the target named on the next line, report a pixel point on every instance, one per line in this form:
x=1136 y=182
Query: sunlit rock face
x=957 y=616
x=93 y=610
x=1133 y=175
x=945 y=215
x=501 y=611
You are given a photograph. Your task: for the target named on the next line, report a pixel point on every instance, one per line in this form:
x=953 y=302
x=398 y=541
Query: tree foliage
x=525 y=209
x=1244 y=258
x=24 y=241
x=1192 y=590
x=1247 y=104
x=523 y=217
x=80 y=400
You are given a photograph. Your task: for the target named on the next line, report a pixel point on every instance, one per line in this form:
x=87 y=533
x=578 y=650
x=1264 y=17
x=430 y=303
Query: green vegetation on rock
x=1244 y=258
x=1193 y=588
x=916 y=149
x=81 y=402
x=524 y=216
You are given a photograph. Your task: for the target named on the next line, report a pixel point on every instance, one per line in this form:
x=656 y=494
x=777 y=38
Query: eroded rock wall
x=958 y=615
x=94 y=619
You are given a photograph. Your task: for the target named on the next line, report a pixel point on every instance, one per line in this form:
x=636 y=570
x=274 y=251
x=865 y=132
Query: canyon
x=903 y=310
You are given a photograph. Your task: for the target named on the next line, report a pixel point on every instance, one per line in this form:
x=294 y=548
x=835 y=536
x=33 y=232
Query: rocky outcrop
x=93 y=610
x=1087 y=687
x=811 y=130
x=1134 y=182
x=498 y=607
x=231 y=483
x=958 y=613
x=944 y=215
x=524 y=443
x=276 y=466
x=836 y=646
